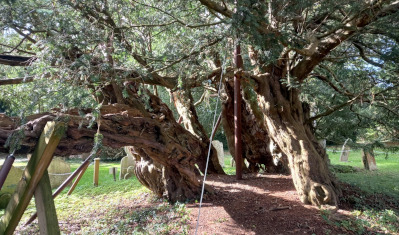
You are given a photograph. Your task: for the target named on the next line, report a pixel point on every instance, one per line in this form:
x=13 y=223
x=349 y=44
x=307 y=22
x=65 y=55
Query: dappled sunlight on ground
x=258 y=204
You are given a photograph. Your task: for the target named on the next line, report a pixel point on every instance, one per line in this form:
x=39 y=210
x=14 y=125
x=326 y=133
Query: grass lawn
x=113 y=207
x=228 y=169
x=384 y=180
x=382 y=184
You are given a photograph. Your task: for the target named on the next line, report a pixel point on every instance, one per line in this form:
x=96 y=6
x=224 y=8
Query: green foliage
x=350 y=224
x=342 y=169
x=160 y=219
x=363 y=117
x=386 y=221
x=13 y=141
x=82 y=47
x=4 y=105
x=43 y=95
x=206 y=113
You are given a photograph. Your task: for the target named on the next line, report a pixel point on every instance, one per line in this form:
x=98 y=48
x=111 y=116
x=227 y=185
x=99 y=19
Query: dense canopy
x=312 y=69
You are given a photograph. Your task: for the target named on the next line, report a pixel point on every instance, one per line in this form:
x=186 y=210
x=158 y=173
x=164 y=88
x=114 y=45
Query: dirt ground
x=258 y=204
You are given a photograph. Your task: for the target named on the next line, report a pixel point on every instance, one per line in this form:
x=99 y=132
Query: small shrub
x=110 y=154
x=343 y=169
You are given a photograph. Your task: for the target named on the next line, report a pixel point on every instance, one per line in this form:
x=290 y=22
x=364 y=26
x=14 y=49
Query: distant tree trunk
x=255 y=139
x=184 y=103
x=369 y=159
x=285 y=119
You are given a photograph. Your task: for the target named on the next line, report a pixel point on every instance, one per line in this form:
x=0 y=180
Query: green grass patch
x=380 y=189
x=366 y=221
x=384 y=180
x=113 y=207
x=228 y=169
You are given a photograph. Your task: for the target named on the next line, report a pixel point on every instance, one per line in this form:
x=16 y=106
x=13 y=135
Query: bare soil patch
x=258 y=204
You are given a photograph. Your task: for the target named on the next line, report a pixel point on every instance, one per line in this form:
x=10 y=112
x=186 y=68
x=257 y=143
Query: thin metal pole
x=5 y=169
x=214 y=127
x=237 y=112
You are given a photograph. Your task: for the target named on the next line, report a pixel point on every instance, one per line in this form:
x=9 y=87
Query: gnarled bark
x=255 y=139
x=284 y=118
x=184 y=103
x=162 y=144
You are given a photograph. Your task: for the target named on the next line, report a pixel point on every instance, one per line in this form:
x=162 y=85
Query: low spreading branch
x=119 y=125
x=15 y=81
x=13 y=60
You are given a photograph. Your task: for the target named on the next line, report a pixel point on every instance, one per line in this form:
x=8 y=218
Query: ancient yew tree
x=104 y=57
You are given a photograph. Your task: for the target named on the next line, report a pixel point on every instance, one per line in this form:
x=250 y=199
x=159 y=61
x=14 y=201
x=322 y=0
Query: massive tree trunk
x=184 y=103
x=282 y=110
x=284 y=118
x=256 y=143
x=174 y=177
x=169 y=150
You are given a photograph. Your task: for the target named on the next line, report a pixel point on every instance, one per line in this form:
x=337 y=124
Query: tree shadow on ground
x=257 y=205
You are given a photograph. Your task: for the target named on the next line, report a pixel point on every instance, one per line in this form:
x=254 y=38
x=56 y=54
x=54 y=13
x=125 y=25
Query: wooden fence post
x=96 y=171
x=31 y=177
x=48 y=222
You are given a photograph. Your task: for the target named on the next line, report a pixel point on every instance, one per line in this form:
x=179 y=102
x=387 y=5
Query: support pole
x=5 y=169
x=237 y=112
x=32 y=174
x=75 y=183
x=48 y=222
x=80 y=170
x=96 y=171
